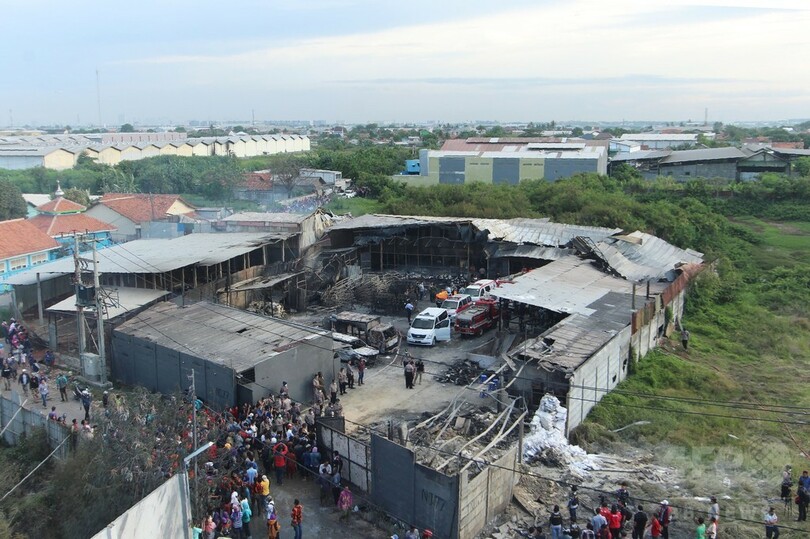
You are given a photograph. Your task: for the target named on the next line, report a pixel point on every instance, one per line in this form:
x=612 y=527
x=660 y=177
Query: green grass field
x=754 y=351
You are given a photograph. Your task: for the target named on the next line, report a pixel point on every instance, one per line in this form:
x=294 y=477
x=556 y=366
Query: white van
x=479 y=289
x=429 y=326
x=455 y=304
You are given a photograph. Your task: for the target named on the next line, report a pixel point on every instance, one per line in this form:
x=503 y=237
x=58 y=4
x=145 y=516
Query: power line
x=38 y=466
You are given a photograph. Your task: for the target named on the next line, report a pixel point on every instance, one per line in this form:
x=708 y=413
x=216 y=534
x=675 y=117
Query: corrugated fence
x=24 y=422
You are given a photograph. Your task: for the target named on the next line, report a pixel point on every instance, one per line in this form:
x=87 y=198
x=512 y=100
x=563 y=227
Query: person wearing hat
x=664 y=518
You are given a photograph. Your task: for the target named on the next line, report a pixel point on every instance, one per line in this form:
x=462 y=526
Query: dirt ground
x=384 y=397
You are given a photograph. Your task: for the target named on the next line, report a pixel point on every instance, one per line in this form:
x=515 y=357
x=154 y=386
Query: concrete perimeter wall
x=411 y=492
x=485 y=495
x=163 y=513
x=26 y=421
x=356 y=454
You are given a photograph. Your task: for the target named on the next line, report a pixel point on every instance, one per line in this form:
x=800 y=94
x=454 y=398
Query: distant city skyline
x=361 y=61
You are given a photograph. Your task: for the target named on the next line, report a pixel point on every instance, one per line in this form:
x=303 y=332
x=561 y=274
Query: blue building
x=23 y=246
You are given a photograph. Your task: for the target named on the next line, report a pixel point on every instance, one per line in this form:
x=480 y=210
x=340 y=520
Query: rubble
x=548 y=444
x=460 y=373
x=267 y=308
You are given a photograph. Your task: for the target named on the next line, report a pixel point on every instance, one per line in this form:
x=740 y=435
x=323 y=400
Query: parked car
x=429 y=326
x=455 y=304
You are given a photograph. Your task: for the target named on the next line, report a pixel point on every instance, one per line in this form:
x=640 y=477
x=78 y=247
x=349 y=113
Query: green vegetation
x=354 y=206
x=12 y=204
x=130 y=454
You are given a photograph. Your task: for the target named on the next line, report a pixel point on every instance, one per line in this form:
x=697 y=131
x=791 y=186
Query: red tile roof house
x=23 y=245
x=62 y=219
x=258 y=187
x=127 y=211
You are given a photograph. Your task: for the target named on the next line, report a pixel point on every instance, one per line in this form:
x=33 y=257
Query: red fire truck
x=477 y=319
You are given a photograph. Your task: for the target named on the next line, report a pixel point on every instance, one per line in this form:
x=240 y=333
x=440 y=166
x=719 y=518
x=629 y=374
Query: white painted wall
x=162 y=513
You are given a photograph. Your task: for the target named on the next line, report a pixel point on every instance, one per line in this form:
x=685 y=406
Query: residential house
x=128 y=211
x=63 y=219
x=258 y=187
x=23 y=246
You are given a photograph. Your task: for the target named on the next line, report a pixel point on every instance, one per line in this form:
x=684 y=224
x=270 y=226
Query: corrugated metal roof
x=533 y=251
x=686 y=137
x=223 y=335
x=522 y=152
x=643 y=155
x=250 y=216
x=159 y=256
x=642 y=257
x=568 y=285
x=706 y=154
x=791 y=151
x=127 y=300
x=518 y=231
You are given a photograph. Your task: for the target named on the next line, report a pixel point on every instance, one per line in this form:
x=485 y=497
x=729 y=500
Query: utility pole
x=98 y=99
x=79 y=306
x=99 y=317
x=194 y=433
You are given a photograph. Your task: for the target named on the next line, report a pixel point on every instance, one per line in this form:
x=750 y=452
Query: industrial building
x=729 y=162
x=533 y=161
x=61 y=152
x=236 y=357
x=195 y=267
x=662 y=141
x=454 y=244
x=611 y=300
x=584 y=301
x=22 y=157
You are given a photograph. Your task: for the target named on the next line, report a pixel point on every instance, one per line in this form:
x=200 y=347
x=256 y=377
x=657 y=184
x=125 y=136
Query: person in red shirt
x=615 y=522
x=296 y=518
x=604 y=510
x=279 y=460
x=655 y=528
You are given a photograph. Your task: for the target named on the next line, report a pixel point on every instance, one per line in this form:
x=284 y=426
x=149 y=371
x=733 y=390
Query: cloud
x=554 y=58
x=630 y=79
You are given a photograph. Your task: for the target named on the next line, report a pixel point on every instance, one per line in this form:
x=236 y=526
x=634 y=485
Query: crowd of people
x=268 y=443
x=620 y=519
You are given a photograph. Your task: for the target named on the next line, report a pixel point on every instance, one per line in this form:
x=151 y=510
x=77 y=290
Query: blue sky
x=362 y=60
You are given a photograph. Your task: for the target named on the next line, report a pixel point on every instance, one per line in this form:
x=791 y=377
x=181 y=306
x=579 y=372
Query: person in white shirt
x=771 y=527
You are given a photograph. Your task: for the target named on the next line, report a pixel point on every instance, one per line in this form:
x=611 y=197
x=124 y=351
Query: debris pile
x=267 y=308
x=547 y=443
x=460 y=373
